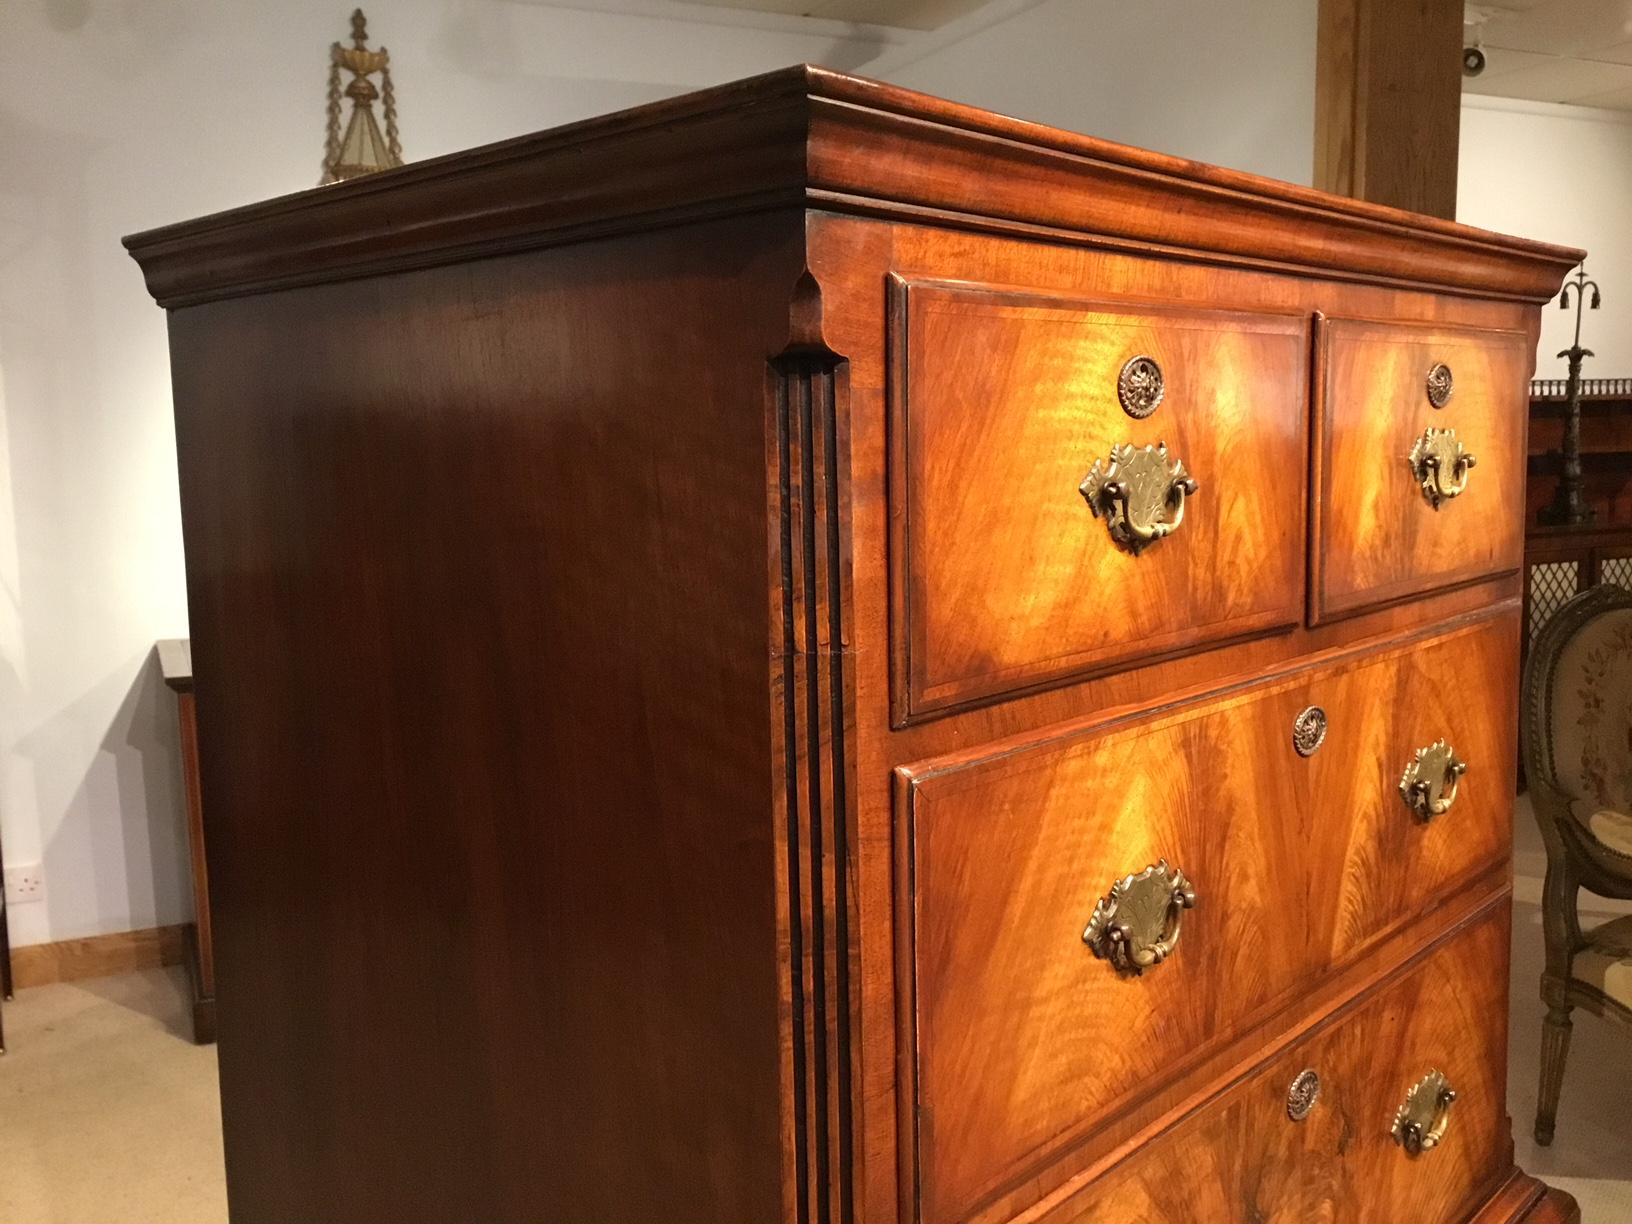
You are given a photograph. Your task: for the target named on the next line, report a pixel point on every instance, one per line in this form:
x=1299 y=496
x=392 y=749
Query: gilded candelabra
x=362 y=150
x=1568 y=508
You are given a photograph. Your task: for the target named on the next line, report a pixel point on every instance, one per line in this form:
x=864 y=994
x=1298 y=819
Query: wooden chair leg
x=1555 y=1048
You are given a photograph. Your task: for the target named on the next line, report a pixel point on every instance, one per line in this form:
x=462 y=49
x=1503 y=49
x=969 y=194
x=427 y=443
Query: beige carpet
x=1591 y=1154
x=108 y=1114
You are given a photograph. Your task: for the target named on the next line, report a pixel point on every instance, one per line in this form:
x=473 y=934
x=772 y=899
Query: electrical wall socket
x=25 y=883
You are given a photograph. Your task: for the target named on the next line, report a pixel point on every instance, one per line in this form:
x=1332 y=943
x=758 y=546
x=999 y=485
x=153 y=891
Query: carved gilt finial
x=362 y=149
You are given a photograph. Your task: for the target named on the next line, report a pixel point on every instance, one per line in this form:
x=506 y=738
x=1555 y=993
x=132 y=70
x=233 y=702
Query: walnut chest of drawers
x=812 y=655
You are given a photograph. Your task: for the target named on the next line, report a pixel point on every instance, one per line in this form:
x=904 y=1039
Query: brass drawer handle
x=1428 y=785
x=1421 y=1122
x=1138 y=494
x=1440 y=464
x=1136 y=925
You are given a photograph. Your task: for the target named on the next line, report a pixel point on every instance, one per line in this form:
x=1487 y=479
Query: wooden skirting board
x=98 y=956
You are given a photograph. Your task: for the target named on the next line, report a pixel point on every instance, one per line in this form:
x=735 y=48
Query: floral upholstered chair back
x=1577 y=733
x=1587 y=744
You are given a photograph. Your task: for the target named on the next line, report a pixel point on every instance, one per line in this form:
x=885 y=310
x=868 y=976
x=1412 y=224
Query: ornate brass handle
x=1441 y=464
x=1421 y=1122
x=1428 y=785
x=1137 y=493
x=1136 y=925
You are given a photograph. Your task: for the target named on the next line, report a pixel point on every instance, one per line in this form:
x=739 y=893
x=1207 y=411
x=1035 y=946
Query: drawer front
x=1386 y=426
x=1025 y=1038
x=1245 y=1158
x=1003 y=576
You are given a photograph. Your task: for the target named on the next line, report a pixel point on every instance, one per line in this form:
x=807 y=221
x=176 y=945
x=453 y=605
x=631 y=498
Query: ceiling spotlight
x=1473 y=61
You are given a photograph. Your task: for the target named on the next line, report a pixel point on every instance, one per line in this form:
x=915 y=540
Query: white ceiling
x=1571 y=51
x=908 y=14
x=1574 y=51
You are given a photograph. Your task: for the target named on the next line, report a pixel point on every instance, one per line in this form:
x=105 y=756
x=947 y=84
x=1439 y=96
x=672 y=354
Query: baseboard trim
x=72 y=960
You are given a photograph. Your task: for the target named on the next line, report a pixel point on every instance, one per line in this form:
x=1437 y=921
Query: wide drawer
x=1249 y=1157
x=1398 y=509
x=1019 y=557
x=1024 y=1038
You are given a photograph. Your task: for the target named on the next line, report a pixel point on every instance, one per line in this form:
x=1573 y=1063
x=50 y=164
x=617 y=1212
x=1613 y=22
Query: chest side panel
x=476 y=559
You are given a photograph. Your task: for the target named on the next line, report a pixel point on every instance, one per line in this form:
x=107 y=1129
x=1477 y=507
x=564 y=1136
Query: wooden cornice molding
x=807 y=137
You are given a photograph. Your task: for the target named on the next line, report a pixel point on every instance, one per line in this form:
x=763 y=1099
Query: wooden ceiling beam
x=1388 y=100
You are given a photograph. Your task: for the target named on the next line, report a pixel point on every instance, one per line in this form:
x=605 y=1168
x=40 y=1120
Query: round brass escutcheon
x=1140 y=387
x=1302 y=1095
x=1440 y=384
x=1309 y=731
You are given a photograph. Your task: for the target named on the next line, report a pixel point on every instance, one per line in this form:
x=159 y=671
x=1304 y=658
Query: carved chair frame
x=1575 y=859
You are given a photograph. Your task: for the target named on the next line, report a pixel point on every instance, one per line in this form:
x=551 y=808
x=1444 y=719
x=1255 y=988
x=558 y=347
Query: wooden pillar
x=1388 y=97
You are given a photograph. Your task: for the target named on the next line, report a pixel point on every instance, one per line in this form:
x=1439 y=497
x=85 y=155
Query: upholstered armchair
x=1577 y=737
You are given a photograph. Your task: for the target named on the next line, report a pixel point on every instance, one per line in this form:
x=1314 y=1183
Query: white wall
x=1561 y=174
x=116 y=116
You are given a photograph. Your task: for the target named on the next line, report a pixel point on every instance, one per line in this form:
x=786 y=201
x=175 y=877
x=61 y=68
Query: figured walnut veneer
x=671 y=714
x=1004 y=400
x=1298 y=865
x=1371 y=542
x=1245 y=1159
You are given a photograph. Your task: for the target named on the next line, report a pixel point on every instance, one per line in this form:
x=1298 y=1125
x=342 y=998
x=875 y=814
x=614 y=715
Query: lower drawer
x=1244 y=1157
x=1285 y=827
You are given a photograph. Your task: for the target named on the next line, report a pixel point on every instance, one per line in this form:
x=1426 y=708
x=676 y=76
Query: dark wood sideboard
x=176 y=665
x=5 y=955
x=734 y=637
x=1562 y=560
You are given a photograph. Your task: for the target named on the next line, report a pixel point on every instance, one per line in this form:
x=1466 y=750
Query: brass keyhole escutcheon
x=1421 y=1122
x=1429 y=783
x=1136 y=925
x=1302 y=1095
x=1140 y=387
x=1440 y=384
x=1309 y=731
x=1139 y=494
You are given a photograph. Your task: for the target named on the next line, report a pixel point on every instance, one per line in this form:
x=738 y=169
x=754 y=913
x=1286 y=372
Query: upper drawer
x=1025 y=1033
x=1399 y=403
x=1002 y=404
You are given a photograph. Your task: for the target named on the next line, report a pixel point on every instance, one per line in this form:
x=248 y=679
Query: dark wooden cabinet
x=176 y=664
x=5 y=956
x=809 y=653
x=1563 y=560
